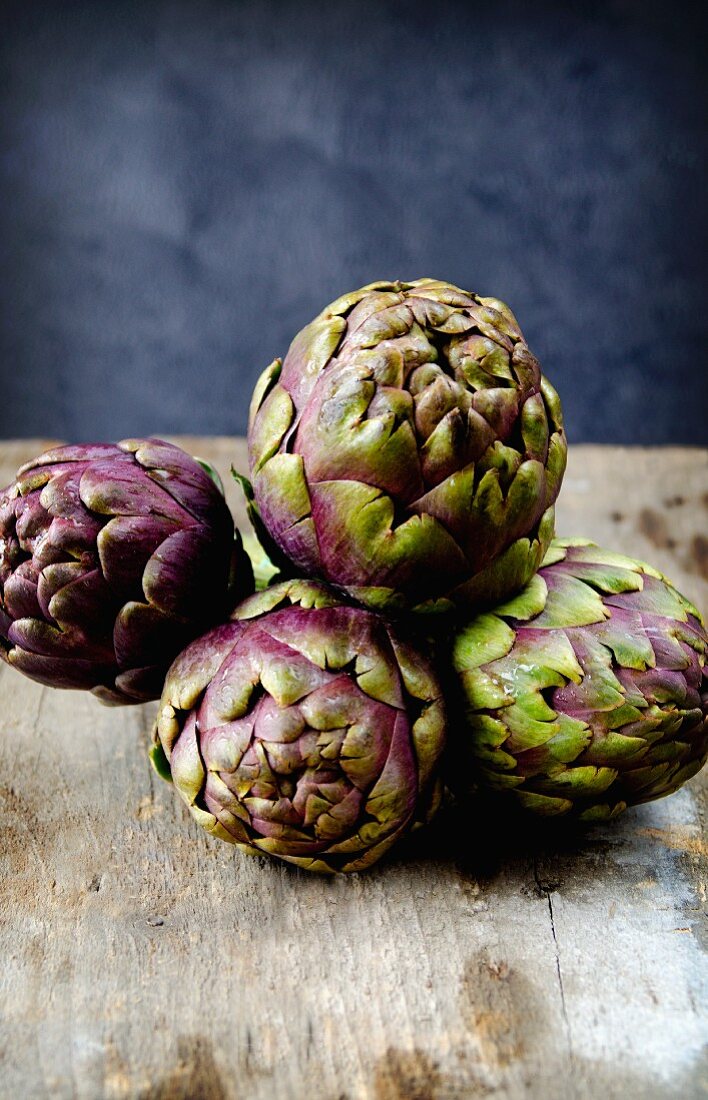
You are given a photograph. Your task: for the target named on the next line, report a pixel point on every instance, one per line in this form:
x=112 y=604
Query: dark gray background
x=185 y=184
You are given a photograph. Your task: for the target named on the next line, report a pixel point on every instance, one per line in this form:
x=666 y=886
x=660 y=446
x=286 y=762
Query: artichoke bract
x=304 y=729
x=408 y=450
x=587 y=692
x=112 y=558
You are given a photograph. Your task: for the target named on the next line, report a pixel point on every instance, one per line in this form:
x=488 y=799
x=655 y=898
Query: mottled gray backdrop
x=183 y=185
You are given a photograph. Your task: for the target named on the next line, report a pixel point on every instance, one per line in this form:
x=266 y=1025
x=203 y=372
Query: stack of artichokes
x=405 y=459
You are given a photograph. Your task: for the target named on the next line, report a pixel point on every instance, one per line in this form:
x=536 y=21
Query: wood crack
x=560 y=975
x=544 y=890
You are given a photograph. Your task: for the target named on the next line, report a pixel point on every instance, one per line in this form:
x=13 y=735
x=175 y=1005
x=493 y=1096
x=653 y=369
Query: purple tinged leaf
x=112 y=489
x=367 y=544
x=182 y=477
x=71 y=672
x=308 y=356
x=139 y=685
x=223 y=747
x=369 y=304
x=142 y=635
x=20 y=594
x=125 y=545
x=186 y=763
x=42 y=638
x=275 y=723
x=86 y=603
x=55 y=577
x=61 y=495
x=31 y=522
x=68 y=453
x=74 y=536
x=185 y=577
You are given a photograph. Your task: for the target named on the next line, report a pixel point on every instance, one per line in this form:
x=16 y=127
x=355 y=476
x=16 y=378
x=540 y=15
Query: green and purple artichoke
x=409 y=450
x=112 y=559
x=587 y=692
x=303 y=729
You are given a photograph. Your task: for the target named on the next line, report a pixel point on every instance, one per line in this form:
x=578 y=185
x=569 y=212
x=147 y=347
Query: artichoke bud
x=587 y=692
x=112 y=558
x=364 y=450
x=304 y=729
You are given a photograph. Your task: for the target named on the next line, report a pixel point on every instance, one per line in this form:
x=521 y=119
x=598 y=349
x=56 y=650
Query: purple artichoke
x=585 y=693
x=112 y=559
x=408 y=450
x=304 y=729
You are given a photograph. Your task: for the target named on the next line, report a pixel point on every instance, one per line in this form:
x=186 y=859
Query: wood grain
x=139 y=958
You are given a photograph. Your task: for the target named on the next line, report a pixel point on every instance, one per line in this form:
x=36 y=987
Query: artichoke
x=304 y=729
x=112 y=559
x=587 y=692
x=408 y=450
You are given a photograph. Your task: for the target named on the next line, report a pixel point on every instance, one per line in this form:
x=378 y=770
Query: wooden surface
x=140 y=958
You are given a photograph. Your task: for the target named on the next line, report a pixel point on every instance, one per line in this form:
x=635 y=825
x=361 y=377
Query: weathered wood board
x=140 y=958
